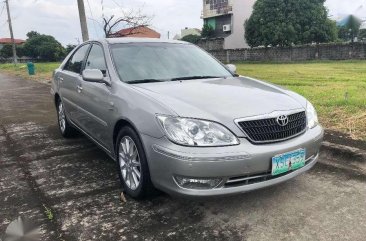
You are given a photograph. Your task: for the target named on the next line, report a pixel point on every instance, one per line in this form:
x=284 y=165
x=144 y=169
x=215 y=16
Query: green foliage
x=6 y=51
x=344 y=34
x=362 y=34
x=191 y=38
x=69 y=48
x=32 y=34
x=207 y=31
x=20 y=51
x=288 y=22
x=44 y=47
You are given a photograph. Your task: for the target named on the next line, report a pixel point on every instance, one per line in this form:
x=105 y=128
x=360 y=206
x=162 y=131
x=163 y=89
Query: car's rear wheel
x=65 y=128
x=132 y=165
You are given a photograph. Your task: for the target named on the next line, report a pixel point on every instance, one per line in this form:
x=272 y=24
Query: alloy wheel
x=61 y=117
x=129 y=162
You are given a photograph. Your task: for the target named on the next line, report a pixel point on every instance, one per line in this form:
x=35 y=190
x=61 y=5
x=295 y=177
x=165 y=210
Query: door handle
x=79 y=88
x=61 y=79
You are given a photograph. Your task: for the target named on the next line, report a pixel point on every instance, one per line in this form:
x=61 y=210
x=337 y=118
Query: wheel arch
x=57 y=98
x=122 y=122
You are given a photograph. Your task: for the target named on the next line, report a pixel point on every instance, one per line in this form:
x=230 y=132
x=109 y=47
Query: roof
x=8 y=41
x=139 y=31
x=140 y=40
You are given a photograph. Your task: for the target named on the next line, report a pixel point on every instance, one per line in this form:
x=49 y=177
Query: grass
x=336 y=88
x=48 y=213
x=43 y=70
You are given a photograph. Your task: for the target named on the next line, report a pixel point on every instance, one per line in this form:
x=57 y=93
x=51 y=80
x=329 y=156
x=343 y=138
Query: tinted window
x=96 y=59
x=75 y=63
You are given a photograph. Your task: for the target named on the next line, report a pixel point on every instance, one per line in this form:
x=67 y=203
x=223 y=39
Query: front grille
x=268 y=130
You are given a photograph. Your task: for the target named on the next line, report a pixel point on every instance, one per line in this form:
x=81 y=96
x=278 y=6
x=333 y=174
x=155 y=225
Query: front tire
x=65 y=128
x=132 y=165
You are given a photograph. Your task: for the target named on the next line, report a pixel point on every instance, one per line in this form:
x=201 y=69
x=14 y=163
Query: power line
x=91 y=14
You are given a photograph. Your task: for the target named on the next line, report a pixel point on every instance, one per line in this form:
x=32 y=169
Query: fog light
x=197 y=183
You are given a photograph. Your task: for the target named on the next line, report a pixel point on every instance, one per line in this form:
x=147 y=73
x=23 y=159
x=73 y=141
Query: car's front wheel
x=65 y=128
x=132 y=165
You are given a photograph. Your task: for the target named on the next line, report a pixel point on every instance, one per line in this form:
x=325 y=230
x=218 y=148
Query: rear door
x=68 y=82
x=94 y=98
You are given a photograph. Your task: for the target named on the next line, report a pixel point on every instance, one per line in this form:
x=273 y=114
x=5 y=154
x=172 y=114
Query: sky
x=60 y=18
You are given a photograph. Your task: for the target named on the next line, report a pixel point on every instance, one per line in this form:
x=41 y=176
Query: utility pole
x=83 y=24
x=15 y=60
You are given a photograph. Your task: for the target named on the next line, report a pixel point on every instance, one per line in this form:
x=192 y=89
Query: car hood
x=222 y=100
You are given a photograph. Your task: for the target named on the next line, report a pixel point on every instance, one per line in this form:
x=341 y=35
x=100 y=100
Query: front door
x=94 y=99
x=68 y=80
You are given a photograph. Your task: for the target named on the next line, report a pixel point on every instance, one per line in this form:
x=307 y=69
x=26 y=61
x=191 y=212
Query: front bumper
x=243 y=168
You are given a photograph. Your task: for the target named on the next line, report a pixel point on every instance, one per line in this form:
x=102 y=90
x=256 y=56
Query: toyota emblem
x=282 y=120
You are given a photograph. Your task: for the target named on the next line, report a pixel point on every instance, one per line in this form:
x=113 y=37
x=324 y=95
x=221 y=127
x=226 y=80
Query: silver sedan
x=176 y=119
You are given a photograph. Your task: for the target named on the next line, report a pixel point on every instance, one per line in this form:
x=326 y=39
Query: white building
x=227 y=18
x=187 y=31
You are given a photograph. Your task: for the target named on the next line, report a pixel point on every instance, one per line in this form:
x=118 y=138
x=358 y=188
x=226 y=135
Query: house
x=187 y=31
x=4 y=41
x=227 y=18
x=136 y=32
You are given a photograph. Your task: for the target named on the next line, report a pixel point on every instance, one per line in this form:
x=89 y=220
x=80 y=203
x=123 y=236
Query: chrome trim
x=190 y=156
x=271 y=115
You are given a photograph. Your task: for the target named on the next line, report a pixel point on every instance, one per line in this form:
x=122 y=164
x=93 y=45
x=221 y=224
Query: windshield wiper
x=141 y=81
x=196 y=77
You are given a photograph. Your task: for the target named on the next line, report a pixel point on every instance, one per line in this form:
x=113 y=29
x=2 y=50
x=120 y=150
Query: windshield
x=153 y=62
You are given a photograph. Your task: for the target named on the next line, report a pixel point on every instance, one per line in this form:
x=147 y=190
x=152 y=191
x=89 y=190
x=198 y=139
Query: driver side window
x=96 y=59
x=76 y=62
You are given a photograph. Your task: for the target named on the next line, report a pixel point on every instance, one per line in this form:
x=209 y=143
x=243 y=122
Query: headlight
x=193 y=132
x=311 y=115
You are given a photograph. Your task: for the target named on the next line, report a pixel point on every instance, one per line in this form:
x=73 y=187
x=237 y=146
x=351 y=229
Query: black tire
x=145 y=188
x=65 y=128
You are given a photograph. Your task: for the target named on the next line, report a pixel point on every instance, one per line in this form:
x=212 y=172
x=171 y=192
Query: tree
x=344 y=34
x=69 y=48
x=362 y=35
x=20 y=51
x=191 y=38
x=6 y=51
x=32 y=34
x=288 y=22
x=207 y=31
x=44 y=47
x=132 y=20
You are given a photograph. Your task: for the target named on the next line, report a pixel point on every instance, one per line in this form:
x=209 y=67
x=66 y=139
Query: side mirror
x=232 y=68
x=94 y=75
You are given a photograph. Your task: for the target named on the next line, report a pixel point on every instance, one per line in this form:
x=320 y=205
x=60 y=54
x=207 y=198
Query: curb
x=346 y=158
x=346 y=151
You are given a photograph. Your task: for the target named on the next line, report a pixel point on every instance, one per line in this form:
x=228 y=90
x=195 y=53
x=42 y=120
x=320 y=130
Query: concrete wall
x=297 y=53
x=242 y=10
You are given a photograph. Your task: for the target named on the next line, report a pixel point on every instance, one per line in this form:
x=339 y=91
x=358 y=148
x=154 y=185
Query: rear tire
x=65 y=127
x=133 y=169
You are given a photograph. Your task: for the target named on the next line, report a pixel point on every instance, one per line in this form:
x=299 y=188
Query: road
x=77 y=183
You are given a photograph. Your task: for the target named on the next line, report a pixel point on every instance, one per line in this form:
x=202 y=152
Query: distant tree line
x=38 y=46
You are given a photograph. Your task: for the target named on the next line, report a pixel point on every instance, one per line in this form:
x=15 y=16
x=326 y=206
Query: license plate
x=289 y=161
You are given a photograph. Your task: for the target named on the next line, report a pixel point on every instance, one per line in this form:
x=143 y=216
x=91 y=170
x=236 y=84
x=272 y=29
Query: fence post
x=228 y=56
